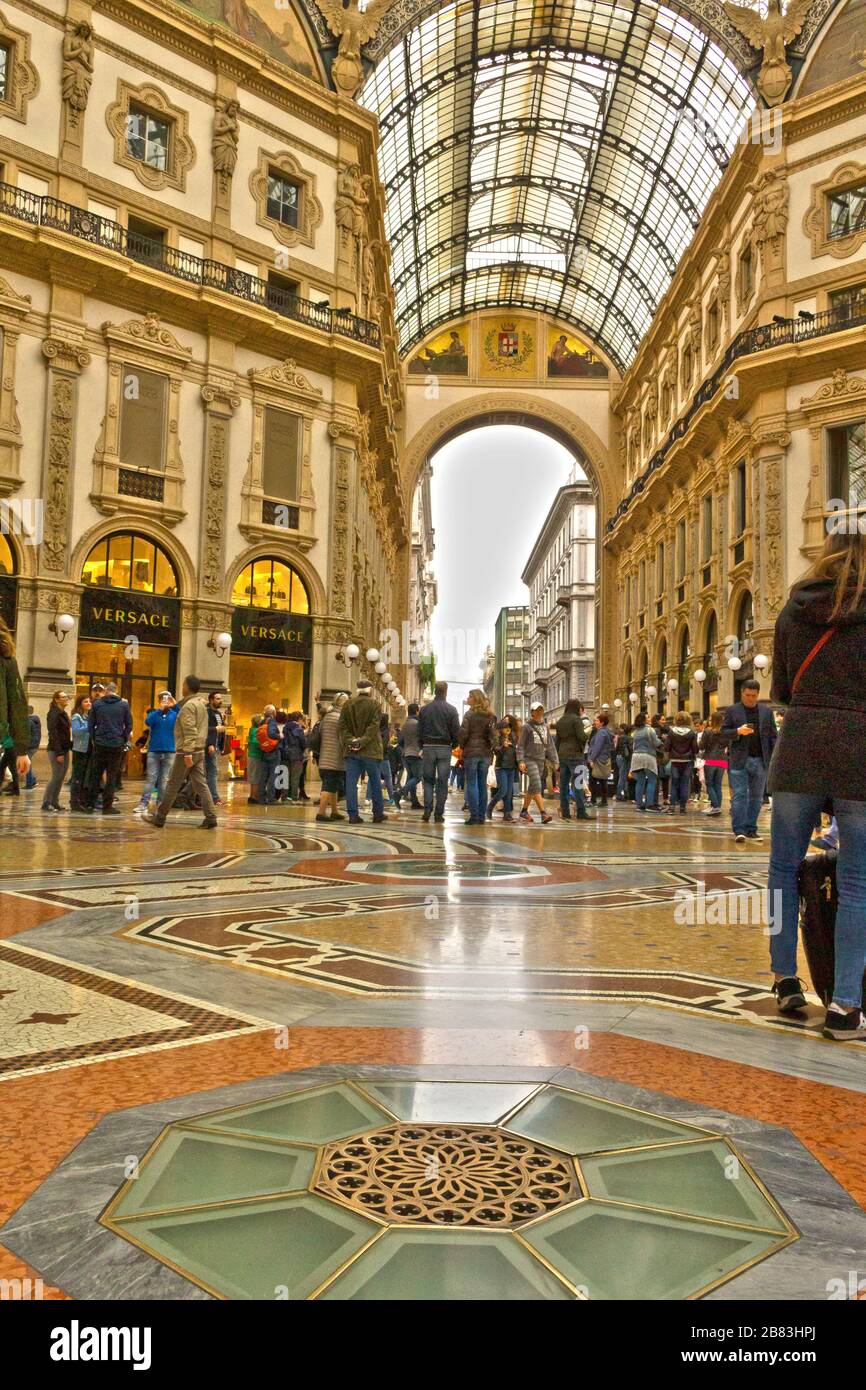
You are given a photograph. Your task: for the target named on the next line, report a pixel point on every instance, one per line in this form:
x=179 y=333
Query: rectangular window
x=145 y=242
x=660 y=567
x=143 y=411
x=283 y=199
x=681 y=550
x=713 y=326
x=706 y=528
x=740 y=517
x=642 y=585
x=147 y=137
x=5 y=72
x=849 y=303
x=847 y=463
x=746 y=273
x=847 y=211
x=281 y=455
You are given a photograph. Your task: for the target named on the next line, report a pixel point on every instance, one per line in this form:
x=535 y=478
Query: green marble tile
x=262 y=1250
x=186 y=1169
x=701 y=1179
x=619 y=1253
x=580 y=1124
x=313 y=1117
x=446 y=1266
x=463 y=1102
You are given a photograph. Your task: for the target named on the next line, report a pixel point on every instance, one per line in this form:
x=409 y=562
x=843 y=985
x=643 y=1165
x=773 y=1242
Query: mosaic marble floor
x=160 y=974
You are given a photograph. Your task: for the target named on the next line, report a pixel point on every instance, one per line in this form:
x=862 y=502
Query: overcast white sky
x=491 y=490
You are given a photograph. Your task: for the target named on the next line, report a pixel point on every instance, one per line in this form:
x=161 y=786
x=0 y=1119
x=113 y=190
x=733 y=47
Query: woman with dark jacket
x=599 y=755
x=478 y=739
x=681 y=743
x=713 y=748
x=59 y=749
x=819 y=661
x=14 y=720
x=505 y=763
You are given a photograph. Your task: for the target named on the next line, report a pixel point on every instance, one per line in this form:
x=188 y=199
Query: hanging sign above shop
x=120 y=613
x=266 y=632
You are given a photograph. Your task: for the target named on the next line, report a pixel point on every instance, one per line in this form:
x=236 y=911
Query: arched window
x=8 y=565
x=271 y=583
x=127 y=560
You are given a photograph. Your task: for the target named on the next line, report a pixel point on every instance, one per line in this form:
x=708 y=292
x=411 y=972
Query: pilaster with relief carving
x=66 y=360
x=220 y=403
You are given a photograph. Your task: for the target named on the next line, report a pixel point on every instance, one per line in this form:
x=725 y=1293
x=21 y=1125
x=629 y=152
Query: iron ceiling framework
x=549 y=154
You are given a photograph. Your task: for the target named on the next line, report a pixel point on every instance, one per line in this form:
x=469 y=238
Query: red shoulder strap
x=821 y=642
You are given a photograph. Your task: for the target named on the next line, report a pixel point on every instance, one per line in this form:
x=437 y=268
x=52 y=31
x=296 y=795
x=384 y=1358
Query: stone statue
x=77 y=68
x=224 y=145
x=348 y=186
x=354 y=27
x=770 y=208
x=771 y=34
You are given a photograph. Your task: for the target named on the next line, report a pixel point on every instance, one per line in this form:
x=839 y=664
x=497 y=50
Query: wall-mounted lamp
x=673 y=685
x=734 y=663
x=219 y=642
x=651 y=691
x=349 y=653
x=617 y=704
x=632 y=699
x=380 y=668
x=700 y=676
x=761 y=662
x=60 y=624
x=372 y=655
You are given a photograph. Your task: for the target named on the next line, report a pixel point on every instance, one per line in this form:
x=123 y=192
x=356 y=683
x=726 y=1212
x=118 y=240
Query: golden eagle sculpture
x=771 y=33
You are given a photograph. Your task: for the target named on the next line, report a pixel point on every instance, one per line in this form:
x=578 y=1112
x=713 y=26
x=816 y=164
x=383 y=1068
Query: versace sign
x=264 y=632
x=120 y=613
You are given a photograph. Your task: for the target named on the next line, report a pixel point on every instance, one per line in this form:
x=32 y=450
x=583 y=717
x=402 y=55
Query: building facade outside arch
x=473 y=409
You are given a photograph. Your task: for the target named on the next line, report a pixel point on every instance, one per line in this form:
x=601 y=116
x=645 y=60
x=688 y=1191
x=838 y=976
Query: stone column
x=769 y=594
x=220 y=403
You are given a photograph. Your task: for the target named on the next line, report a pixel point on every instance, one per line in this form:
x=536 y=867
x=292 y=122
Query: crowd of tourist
x=804 y=759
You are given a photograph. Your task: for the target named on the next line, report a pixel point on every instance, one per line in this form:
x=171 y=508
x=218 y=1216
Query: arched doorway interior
x=129 y=628
x=271 y=641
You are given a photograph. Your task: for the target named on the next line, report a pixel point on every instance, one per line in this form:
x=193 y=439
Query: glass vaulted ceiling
x=552 y=156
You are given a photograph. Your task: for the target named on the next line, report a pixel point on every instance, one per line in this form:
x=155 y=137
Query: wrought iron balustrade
x=99 y=231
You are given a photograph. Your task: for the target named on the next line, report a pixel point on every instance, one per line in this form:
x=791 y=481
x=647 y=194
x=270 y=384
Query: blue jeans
x=30 y=780
x=384 y=772
x=681 y=782
x=476 y=786
x=566 y=772
x=414 y=766
x=645 y=787
x=747 y=795
x=794 y=817
x=436 y=758
x=622 y=763
x=159 y=766
x=713 y=781
x=356 y=764
x=211 y=768
x=504 y=789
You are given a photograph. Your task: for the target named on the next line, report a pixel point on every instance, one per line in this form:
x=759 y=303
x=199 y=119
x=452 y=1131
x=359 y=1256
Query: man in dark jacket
x=750 y=733
x=361 y=743
x=411 y=750
x=215 y=746
x=438 y=732
x=110 y=726
x=293 y=753
x=570 y=745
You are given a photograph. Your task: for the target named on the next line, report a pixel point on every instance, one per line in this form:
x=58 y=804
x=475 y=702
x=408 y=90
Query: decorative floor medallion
x=447 y=1190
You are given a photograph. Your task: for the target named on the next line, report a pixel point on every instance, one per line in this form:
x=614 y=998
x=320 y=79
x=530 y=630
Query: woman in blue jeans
x=681 y=743
x=645 y=744
x=714 y=751
x=819 y=660
x=505 y=761
x=478 y=741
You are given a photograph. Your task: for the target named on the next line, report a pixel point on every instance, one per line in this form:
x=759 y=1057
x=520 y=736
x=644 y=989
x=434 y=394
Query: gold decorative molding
x=13 y=309
x=310 y=212
x=181 y=151
x=22 y=82
x=842 y=392
x=815 y=220
x=285 y=378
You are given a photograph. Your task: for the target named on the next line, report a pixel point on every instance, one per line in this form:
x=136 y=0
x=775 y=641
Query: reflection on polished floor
x=427 y=1062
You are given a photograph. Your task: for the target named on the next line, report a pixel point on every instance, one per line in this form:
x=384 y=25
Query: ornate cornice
x=64 y=354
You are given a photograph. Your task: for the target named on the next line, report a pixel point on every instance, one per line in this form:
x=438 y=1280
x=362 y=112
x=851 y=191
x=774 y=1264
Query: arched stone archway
x=510 y=407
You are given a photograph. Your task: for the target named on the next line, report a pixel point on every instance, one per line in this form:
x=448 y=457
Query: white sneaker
x=140 y=809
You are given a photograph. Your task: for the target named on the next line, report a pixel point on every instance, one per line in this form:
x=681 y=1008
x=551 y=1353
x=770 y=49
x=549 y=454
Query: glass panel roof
x=549 y=154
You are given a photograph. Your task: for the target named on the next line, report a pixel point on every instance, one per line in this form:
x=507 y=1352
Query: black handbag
x=819 y=902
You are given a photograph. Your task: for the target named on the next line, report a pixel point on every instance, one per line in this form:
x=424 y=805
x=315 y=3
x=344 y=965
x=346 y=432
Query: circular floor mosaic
x=447 y=1190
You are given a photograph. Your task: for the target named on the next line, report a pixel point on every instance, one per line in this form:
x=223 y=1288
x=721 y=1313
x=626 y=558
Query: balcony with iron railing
x=51 y=213
x=752 y=340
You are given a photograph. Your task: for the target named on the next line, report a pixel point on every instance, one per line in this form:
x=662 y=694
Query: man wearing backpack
x=269 y=737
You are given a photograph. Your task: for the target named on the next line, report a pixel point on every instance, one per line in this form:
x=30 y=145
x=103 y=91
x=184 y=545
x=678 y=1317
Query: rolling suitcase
x=819 y=901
